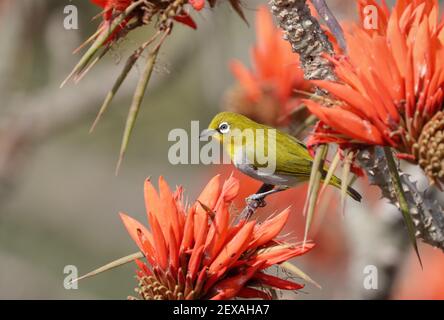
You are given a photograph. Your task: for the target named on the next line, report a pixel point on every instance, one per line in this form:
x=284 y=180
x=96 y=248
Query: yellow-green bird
x=249 y=144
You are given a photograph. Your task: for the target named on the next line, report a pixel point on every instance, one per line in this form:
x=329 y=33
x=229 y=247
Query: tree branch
x=306 y=38
x=427 y=214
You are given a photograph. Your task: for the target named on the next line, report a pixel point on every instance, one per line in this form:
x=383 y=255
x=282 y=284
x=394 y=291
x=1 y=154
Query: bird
x=243 y=139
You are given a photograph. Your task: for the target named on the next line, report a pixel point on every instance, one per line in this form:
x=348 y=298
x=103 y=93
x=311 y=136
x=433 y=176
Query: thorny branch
x=306 y=37
x=295 y=19
x=426 y=212
x=308 y=40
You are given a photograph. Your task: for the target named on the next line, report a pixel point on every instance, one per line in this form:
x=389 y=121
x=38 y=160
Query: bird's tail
x=336 y=182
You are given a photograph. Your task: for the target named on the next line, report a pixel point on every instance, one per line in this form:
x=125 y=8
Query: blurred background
x=59 y=197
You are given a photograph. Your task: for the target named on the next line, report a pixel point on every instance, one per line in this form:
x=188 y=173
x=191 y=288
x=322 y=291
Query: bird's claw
x=254 y=202
x=257 y=201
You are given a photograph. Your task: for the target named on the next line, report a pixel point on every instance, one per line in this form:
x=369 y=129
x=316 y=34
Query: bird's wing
x=294 y=166
x=295 y=147
x=295 y=160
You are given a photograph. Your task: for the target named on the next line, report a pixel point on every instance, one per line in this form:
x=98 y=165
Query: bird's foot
x=256 y=201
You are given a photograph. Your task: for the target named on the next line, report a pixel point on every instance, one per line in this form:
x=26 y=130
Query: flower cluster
x=266 y=93
x=390 y=86
x=144 y=13
x=149 y=9
x=198 y=252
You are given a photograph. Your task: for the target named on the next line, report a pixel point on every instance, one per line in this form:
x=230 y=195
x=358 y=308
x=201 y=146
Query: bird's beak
x=205 y=134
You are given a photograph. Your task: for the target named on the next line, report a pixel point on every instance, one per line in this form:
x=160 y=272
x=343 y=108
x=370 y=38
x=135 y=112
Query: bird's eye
x=224 y=127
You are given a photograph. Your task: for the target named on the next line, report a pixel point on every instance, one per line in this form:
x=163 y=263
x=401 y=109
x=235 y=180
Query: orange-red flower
x=390 y=85
x=113 y=7
x=200 y=253
x=275 y=73
x=109 y=6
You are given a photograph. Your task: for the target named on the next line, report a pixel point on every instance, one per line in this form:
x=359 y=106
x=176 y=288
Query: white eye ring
x=224 y=127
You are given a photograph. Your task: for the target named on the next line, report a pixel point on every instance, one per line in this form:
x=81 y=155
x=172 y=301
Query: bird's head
x=227 y=124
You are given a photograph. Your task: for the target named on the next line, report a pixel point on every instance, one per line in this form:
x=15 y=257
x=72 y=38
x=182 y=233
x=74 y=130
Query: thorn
x=111 y=265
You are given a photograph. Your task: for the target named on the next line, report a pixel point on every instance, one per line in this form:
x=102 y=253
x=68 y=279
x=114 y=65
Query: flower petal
x=251 y=293
x=275 y=282
x=159 y=242
x=135 y=229
x=152 y=202
x=210 y=194
x=246 y=79
x=347 y=123
x=186 y=19
x=195 y=262
x=197 y=4
x=279 y=255
x=188 y=234
x=170 y=211
x=269 y=229
x=230 y=287
x=233 y=249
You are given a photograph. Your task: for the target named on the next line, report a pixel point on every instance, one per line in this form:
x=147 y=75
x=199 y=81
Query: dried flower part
x=142 y=15
x=430 y=149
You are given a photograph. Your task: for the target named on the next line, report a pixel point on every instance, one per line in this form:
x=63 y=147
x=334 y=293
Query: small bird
x=292 y=161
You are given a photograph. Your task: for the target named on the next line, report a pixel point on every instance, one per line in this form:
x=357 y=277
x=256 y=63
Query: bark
x=381 y=242
x=308 y=40
x=306 y=37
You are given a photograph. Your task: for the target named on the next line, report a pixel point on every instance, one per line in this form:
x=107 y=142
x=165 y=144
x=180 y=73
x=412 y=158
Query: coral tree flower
x=113 y=7
x=266 y=92
x=199 y=253
x=390 y=86
x=110 y=8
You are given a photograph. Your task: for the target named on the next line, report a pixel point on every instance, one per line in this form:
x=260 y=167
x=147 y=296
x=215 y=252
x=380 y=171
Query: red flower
x=202 y=254
x=276 y=72
x=113 y=7
x=197 y=4
x=390 y=85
